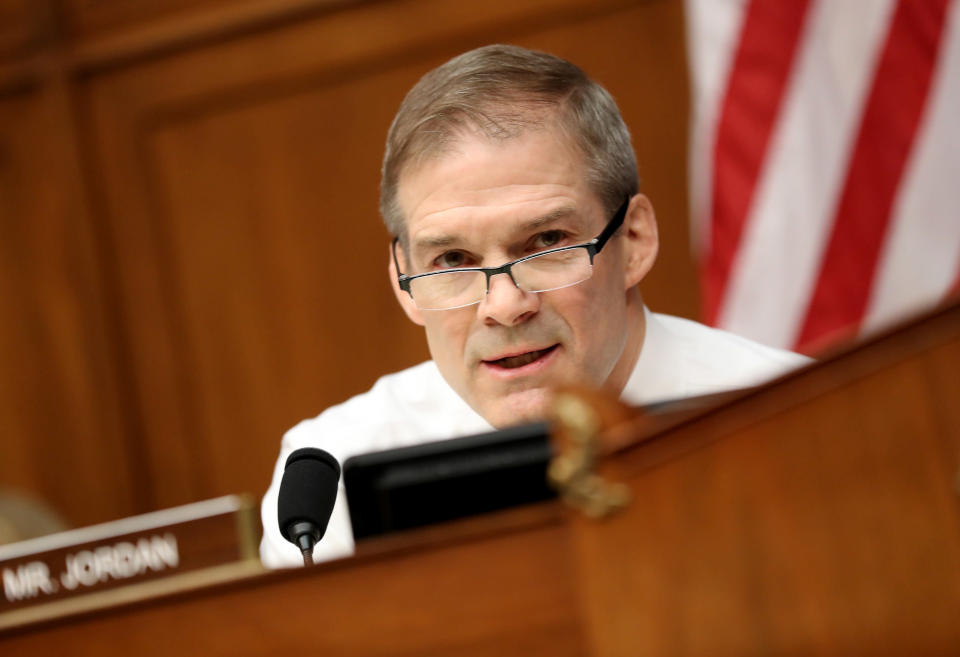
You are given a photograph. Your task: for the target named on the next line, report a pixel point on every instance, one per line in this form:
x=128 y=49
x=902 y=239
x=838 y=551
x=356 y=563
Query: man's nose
x=507 y=304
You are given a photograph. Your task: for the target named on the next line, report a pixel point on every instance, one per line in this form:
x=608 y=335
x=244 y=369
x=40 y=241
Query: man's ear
x=405 y=300
x=640 y=240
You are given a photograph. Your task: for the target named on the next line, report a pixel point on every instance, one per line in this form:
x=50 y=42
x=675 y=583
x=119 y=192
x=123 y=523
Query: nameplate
x=102 y=559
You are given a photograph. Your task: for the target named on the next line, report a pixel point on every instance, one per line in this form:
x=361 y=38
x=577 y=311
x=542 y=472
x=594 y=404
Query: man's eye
x=450 y=259
x=548 y=239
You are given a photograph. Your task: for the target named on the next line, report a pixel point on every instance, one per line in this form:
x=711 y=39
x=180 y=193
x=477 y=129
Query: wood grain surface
x=816 y=515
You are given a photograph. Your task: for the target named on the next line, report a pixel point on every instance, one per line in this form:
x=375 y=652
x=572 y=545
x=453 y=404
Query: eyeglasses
x=552 y=269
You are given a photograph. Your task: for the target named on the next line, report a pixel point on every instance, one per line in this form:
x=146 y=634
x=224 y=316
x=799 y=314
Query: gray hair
x=500 y=91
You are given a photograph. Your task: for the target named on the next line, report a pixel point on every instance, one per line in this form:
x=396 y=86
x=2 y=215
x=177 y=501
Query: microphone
x=308 y=491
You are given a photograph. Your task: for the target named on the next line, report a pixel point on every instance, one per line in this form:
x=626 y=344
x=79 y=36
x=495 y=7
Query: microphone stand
x=306 y=536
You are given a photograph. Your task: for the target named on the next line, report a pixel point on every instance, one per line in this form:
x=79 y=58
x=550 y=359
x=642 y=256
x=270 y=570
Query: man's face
x=489 y=202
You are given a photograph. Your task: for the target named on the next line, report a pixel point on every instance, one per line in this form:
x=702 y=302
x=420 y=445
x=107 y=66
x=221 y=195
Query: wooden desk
x=817 y=515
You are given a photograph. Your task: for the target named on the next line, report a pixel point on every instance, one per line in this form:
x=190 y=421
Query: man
x=510 y=184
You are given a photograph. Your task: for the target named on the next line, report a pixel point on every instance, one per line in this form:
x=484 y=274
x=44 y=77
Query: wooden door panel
x=61 y=428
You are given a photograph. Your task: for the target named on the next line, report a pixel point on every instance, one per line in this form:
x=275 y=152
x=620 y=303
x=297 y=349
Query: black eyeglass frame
x=593 y=247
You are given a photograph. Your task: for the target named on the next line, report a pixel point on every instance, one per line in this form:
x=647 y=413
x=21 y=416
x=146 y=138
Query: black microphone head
x=308 y=491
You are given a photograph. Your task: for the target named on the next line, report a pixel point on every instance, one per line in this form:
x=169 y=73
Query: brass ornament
x=571 y=471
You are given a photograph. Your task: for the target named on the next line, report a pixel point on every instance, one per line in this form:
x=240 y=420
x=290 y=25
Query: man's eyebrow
x=557 y=213
x=433 y=241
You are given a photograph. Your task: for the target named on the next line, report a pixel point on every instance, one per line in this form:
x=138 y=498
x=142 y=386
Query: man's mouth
x=519 y=360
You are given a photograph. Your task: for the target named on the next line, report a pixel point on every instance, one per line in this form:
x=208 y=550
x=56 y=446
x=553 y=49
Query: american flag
x=825 y=163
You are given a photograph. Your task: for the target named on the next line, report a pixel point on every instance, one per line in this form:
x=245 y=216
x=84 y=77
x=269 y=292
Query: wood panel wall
x=192 y=259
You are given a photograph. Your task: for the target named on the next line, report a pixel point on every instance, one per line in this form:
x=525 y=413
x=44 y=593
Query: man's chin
x=515 y=408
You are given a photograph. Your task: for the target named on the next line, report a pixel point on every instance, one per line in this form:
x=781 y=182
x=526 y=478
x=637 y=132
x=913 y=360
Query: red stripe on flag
x=892 y=113
x=768 y=39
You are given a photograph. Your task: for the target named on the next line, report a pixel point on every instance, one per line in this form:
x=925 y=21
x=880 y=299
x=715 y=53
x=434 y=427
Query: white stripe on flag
x=713 y=27
x=921 y=256
x=789 y=220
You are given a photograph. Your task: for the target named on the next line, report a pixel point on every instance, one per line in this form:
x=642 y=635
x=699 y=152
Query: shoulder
x=682 y=358
x=412 y=405
x=717 y=346
x=408 y=407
